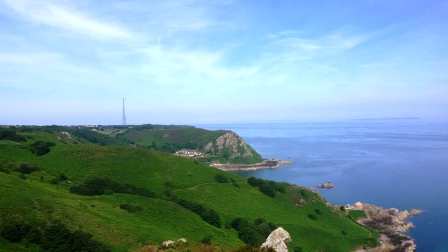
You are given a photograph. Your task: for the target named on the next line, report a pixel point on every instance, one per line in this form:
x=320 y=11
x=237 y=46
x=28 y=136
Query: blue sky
x=210 y=61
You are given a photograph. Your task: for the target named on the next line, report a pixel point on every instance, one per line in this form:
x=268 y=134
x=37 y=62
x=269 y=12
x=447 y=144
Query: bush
x=208 y=215
x=100 y=186
x=207 y=240
x=298 y=249
x=252 y=233
x=41 y=148
x=61 y=178
x=234 y=183
x=53 y=237
x=15 y=232
x=270 y=188
x=27 y=168
x=312 y=216
x=131 y=208
x=9 y=134
x=221 y=178
x=267 y=189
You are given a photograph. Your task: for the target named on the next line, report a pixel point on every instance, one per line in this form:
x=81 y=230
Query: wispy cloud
x=334 y=41
x=68 y=19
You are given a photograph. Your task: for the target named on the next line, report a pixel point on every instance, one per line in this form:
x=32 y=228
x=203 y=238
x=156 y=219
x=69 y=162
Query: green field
x=40 y=197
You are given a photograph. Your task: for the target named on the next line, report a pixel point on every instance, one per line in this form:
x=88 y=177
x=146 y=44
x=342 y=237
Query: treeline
x=100 y=186
x=270 y=188
x=52 y=237
x=253 y=233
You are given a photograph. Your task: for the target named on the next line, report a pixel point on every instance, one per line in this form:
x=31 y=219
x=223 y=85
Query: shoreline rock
x=392 y=224
x=266 y=164
x=327 y=185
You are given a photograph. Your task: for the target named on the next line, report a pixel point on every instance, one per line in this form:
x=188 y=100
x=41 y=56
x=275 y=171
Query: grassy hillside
x=36 y=188
x=171 y=138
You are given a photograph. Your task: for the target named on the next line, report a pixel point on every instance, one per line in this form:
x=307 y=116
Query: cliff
x=231 y=148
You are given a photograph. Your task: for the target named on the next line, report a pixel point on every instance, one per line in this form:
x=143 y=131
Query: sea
x=400 y=163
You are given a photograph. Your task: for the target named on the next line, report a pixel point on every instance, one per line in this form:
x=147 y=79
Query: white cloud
x=335 y=41
x=59 y=16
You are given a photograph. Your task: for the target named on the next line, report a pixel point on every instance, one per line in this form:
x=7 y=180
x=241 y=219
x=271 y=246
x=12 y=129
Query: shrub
x=234 y=183
x=207 y=240
x=252 y=233
x=9 y=134
x=267 y=189
x=100 y=186
x=53 y=237
x=41 y=148
x=208 y=215
x=131 y=208
x=221 y=178
x=15 y=232
x=270 y=188
x=61 y=178
x=27 y=168
x=297 y=249
x=312 y=216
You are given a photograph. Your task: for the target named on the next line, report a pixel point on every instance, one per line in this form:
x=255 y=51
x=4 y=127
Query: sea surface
x=401 y=163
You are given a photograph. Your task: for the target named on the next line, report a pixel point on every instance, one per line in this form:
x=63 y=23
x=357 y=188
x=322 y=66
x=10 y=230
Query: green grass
x=160 y=219
x=356 y=214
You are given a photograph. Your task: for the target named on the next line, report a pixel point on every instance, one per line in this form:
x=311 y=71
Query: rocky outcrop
x=232 y=147
x=277 y=240
x=393 y=225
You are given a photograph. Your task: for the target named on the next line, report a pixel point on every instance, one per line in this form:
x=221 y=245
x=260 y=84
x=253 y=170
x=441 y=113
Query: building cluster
x=189 y=153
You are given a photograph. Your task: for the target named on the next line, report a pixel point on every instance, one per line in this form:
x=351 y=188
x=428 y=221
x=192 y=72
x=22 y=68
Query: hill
x=119 y=197
x=219 y=145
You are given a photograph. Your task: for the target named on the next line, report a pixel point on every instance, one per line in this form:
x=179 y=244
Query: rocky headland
x=392 y=224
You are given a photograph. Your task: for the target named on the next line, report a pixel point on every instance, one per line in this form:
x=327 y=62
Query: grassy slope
x=171 y=135
x=160 y=220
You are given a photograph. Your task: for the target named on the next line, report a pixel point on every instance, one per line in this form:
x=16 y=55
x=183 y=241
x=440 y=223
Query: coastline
x=392 y=224
x=266 y=164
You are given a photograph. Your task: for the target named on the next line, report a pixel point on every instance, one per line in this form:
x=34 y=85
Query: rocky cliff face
x=230 y=147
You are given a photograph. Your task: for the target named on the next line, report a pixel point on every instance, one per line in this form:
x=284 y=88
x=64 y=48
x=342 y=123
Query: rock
x=277 y=240
x=393 y=225
x=358 y=205
x=168 y=244
x=181 y=241
x=231 y=145
x=326 y=185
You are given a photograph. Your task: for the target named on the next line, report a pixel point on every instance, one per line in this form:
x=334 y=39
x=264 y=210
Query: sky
x=228 y=61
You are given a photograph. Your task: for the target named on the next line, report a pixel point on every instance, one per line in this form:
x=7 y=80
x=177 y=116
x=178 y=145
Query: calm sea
x=392 y=163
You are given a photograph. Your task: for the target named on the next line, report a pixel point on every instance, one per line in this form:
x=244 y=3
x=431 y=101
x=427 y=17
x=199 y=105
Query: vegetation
x=131 y=208
x=41 y=148
x=11 y=134
x=269 y=188
x=111 y=202
x=253 y=233
x=356 y=214
x=55 y=237
x=25 y=168
x=99 y=186
x=208 y=215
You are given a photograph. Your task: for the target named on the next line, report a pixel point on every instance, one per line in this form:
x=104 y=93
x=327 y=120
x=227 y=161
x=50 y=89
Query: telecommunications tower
x=124 y=113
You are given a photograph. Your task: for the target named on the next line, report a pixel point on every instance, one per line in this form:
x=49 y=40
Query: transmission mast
x=124 y=114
